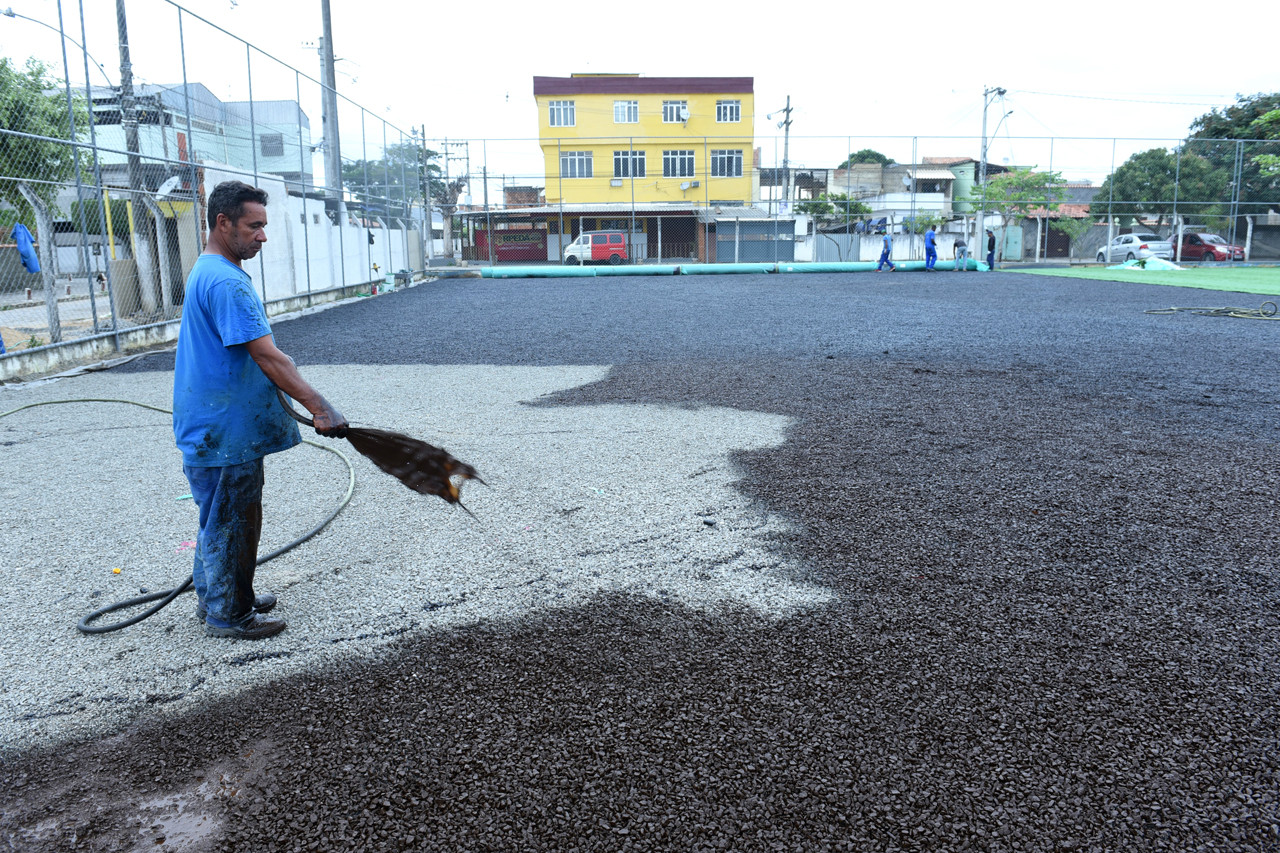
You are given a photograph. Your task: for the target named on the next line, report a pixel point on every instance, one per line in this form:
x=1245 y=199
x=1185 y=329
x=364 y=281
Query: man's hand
x=329 y=421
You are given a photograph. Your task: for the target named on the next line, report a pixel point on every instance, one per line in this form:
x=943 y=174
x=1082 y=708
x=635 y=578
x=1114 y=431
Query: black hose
x=168 y=595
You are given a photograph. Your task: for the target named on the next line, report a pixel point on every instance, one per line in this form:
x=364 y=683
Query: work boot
x=261 y=604
x=256 y=628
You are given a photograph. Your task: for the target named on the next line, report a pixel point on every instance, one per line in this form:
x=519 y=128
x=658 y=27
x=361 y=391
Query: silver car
x=1128 y=247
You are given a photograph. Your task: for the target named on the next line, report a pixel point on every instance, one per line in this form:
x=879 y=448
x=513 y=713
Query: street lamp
x=9 y=13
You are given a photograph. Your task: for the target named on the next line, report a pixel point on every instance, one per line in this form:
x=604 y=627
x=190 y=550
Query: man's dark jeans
x=230 y=502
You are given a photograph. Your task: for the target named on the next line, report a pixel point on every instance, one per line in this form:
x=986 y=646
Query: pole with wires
x=982 y=163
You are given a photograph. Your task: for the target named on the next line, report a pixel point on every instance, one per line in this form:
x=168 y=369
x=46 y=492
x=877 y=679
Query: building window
x=628 y=164
x=575 y=164
x=626 y=112
x=562 y=114
x=674 y=111
x=726 y=163
x=677 y=164
x=728 y=111
x=272 y=144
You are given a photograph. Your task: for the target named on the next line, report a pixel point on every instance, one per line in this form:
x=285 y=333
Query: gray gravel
x=811 y=563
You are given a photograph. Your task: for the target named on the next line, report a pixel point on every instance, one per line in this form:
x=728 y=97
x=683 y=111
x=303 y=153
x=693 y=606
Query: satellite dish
x=684 y=113
x=906 y=180
x=168 y=186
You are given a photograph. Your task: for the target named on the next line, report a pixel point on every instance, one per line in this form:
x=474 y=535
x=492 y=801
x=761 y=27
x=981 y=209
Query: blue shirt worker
x=226 y=416
x=930 y=248
x=886 y=252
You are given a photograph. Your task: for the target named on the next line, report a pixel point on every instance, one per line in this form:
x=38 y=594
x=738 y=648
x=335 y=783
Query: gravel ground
x=989 y=567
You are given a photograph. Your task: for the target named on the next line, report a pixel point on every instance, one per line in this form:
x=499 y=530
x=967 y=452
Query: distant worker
x=930 y=248
x=991 y=249
x=885 y=252
x=962 y=254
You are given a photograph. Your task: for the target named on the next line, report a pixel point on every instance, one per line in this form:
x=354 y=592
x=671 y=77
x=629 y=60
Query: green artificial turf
x=1264 y=280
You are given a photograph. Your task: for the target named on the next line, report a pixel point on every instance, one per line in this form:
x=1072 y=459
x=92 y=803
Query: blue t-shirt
x=888 y=242
x=225 y=410
x=929 y=238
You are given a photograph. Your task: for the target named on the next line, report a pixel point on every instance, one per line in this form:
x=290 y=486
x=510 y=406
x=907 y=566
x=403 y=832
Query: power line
x=1129 y=100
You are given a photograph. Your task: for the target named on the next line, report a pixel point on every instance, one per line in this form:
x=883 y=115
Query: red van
x=597 y=246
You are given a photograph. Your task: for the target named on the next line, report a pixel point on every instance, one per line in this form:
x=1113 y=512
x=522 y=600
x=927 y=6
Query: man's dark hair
x=228 y=199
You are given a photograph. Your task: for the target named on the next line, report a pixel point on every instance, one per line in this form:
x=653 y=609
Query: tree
x=866 y=155
x=404 y=174
x=1144 y=184
x=832 y=208
x=1267 y=126
x=32 y=104
x=1014 y=194
x=921 y=222
x=1214 y=136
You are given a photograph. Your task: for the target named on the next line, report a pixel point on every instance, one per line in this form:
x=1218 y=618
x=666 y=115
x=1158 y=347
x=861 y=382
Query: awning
x=932 y=174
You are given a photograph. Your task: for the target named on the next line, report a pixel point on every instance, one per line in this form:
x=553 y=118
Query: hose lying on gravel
x=1265 y=311
x=168 y=595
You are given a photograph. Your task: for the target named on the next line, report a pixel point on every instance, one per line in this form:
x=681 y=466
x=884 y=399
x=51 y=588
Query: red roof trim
x=620 y=85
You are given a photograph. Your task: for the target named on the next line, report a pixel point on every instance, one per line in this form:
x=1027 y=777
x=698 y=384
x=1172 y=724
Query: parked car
x=1202 y=246
x=1128 y=247
x=599 y=246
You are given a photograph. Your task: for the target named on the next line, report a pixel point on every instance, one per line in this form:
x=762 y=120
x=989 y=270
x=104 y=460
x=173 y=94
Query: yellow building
x=624 y=138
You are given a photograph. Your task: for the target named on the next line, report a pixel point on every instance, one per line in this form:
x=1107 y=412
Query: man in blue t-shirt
x=226 y=416
x=930 y=248
x=885 y=251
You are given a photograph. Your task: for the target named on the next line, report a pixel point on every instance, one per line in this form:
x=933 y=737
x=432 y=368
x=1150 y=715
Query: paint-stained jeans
x=962 y=258
x=230 y=501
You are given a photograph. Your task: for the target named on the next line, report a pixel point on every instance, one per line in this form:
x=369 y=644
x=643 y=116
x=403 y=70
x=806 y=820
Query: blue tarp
x=26 y=247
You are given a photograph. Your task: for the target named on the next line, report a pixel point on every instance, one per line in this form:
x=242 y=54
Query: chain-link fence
x=103 y=184
x=681 y=199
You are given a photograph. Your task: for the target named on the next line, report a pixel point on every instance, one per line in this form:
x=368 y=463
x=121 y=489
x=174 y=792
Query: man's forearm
x=281 y=370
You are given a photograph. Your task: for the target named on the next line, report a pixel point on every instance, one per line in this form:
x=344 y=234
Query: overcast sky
x=872 y=72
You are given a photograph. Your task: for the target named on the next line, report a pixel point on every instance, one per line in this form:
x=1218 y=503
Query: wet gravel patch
x=1049 y=523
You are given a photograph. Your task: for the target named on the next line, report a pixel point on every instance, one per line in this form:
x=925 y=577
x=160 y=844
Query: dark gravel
x=1049 y=517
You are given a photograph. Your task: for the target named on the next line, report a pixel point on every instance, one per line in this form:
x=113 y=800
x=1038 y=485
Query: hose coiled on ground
x=164 y=597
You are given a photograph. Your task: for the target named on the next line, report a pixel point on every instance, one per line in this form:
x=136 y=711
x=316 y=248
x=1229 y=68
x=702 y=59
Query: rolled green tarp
x=723 y=269
x=639 y=269
x=826 y=266
x=538 y=272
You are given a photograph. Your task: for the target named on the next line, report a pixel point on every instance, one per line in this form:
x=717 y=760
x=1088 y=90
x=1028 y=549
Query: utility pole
x=982 y=165
x=139 y=219
x=329 y=109
x=786 y=146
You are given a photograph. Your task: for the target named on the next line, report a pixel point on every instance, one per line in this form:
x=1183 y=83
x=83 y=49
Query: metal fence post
x=162 y=254
x=44 y=229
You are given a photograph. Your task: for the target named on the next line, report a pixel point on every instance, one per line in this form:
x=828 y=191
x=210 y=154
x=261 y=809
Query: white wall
x=333 y=255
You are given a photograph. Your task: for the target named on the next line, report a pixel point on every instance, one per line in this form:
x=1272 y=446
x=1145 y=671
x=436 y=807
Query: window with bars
x=728 y=111
x=575 y=164
x=726 y=163
x=677 y=164
x=626 y=112
x=562 y=113
x=628 y=164
x=672 y=111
